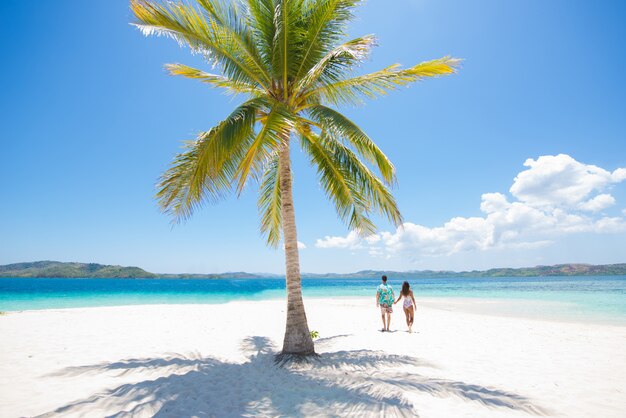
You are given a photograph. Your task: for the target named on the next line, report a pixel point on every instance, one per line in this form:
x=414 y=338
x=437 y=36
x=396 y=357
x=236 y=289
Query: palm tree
x=290 y=60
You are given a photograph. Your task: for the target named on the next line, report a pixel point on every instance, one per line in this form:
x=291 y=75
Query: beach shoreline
x=535 y=309
x=217 y=360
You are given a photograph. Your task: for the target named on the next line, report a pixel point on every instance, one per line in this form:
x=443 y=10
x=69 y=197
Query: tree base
x=284 y=359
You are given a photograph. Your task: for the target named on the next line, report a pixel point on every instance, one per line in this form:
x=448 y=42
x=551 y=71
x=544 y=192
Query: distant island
x=537 y=271
x=61 y=270
x=57 y=269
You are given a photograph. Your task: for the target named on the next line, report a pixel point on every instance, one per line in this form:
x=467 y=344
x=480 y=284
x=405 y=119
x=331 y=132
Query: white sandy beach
x=217 y=360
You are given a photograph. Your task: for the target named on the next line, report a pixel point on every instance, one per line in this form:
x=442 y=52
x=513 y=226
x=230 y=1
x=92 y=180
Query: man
x=384 y=300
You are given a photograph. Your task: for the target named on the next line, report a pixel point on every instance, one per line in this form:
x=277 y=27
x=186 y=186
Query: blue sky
x=89 y=120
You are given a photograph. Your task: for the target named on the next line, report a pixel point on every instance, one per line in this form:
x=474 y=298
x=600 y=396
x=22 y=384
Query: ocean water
x=596 y=298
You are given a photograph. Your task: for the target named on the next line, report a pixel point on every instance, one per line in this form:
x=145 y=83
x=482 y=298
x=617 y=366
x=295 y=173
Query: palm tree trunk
x=297 y=336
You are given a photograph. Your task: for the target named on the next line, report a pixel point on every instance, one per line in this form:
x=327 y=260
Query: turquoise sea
x=597 y=298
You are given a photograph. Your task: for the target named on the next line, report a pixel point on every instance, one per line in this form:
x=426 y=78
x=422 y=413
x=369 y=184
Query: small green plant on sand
x=315 y=334
x=2 y=313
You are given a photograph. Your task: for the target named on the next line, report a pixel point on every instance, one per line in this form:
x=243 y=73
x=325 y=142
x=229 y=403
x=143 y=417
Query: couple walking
x=385 y=299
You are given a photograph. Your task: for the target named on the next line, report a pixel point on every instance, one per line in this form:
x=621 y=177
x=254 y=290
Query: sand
x=217 y=361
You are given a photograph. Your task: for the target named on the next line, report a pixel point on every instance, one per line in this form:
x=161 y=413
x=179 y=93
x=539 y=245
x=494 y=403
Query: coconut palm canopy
x=291 y=60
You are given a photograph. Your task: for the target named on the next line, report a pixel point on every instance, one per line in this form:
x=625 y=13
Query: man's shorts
x=385 y=308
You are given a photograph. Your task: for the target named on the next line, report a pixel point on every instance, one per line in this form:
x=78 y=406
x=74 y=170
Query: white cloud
x=618 y=175
x=372 y=239
x=609 y=225
x=493 y=202
x=554 y=197
x=560 y=180
x=458 y=234
x=601 y=201
x=351 y=241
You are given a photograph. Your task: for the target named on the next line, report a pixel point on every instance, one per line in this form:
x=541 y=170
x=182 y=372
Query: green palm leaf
x=289 y=31
x=259 y=18
x=206 y=170
x=337 y=62
x=350 y=202
x=266 y=143
x=340 y=126
x=353 y=90
x=234 y=24
x=203 y=34
x=325 y=26
x=354 y=189
x=270 y=201
x=231 y=86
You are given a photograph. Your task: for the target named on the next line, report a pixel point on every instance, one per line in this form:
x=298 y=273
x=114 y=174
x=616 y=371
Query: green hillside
x=538 y=271
x=58 y=269
x=71 y=270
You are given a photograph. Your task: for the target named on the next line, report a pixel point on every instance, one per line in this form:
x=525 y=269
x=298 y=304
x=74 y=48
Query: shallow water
x=601 y=298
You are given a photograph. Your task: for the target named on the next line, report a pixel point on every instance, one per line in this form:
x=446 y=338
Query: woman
x=408 y=304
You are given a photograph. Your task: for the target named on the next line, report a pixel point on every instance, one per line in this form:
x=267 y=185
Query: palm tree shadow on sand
x=355 y=383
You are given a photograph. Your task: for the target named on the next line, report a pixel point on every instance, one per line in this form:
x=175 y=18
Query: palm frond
x=203 y=34
x=265 y=144
x=337 y=62
x=340 y=126
x=324 y=26
x=340 y=185
x=231 y=86
x=270 y=200
x=353 y=90
x=288 y=20
x=206 y=169
x=375 y=191
x=377 y=195
x=260 y=20
x=234 y=22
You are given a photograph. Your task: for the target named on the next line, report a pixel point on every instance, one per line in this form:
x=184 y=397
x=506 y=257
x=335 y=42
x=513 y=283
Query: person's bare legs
x=388 y=320
x=410 y=317
x=382 y=315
